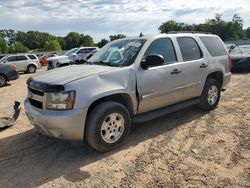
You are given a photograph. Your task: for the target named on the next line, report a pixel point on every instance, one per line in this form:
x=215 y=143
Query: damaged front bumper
x=68 y=124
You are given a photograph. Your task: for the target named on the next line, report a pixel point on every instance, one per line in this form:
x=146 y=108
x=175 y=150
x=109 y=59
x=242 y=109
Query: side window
x=21 y=58
x=189 y=48
x=32 y=56
x=11 y=58
x=163 y=47
x=214 y=46
x=83 y=51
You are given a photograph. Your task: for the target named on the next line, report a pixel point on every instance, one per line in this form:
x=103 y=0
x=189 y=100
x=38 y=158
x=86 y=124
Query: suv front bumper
x=68 y=124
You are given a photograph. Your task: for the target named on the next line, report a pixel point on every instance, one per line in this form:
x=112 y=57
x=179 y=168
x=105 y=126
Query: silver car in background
x=24 y=62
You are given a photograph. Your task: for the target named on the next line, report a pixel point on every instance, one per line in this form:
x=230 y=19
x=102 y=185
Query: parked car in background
x=43 y=59
x=132 y=79
x=24 y=62
x=240 y=58
x=7 y=73
x=69 y=57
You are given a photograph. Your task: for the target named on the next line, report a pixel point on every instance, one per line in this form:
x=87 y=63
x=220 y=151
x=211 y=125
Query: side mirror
x=152 y=61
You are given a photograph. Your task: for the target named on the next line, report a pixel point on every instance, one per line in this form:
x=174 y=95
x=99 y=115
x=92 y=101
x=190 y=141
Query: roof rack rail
x=193 y=32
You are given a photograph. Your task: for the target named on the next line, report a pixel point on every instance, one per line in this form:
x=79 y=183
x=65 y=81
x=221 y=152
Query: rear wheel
x=108 y=125
x=210 y=96
x=31 y=69
x=3 y=80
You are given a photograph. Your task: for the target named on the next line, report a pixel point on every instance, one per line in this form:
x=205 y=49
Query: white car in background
x=69 y=57
x=23 y=62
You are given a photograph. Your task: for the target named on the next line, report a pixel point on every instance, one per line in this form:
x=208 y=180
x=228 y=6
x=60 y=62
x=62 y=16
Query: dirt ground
x=189 y=148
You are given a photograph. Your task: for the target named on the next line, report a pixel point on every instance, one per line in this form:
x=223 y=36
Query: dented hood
x=64 y=75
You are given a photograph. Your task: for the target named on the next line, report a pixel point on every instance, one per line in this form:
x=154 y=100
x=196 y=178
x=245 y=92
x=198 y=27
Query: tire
x=210 y=96
x=3 y=80
x=31 y=69
x=108 y=125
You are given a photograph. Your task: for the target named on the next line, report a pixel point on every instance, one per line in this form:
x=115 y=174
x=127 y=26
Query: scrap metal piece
x=8 y=121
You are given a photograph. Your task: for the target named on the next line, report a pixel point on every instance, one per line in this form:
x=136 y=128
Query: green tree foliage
x=232 y=30
x=86 y=40
x=115 y=37
x=3 y=47
x=248 y=32
x=19 y=48
x=52 y=45
x=102 y=43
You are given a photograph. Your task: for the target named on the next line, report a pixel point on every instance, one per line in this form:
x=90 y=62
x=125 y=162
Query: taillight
x=230 y=63
x=13 y=66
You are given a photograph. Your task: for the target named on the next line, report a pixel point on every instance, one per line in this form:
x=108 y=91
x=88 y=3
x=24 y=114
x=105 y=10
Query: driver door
x=161 y=85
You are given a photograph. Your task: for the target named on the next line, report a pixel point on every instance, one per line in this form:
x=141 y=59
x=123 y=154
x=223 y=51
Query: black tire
x=31 y=69
x=3 y=80
x=96 y=118
x=205 y=103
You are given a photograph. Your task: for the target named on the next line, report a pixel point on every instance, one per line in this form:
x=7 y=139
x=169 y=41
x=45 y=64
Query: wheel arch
x=122 y=98
x=217 y=75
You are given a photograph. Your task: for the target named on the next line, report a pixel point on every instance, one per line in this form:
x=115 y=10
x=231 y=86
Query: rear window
x=189 y=48
x=32 y=56
x=214 y=46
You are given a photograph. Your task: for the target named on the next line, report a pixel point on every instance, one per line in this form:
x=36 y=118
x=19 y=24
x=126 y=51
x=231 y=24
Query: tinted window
x=21 y=58
x=32 y=56
x=11 y=58
x=214 y=46
x=163 y=47
x=83 y=51
x=189 y=48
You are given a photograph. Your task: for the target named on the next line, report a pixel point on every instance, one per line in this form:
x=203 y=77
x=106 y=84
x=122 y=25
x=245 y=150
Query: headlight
x=60 y=101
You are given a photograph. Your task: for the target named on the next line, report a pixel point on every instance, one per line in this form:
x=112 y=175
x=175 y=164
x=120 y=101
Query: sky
x=102 y=18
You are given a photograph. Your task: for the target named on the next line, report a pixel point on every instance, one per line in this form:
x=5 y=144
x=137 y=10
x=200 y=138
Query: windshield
x=5 y=57
x=73 y=50
x=118 y=53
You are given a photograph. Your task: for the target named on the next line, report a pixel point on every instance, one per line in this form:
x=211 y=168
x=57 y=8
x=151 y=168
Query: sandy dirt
x=189 y=148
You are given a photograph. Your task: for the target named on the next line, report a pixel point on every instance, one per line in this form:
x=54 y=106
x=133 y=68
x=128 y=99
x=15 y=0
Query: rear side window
x=32 y=56
x=189 y=48
x=21 y=58
x=163 y=47
x=214 y=46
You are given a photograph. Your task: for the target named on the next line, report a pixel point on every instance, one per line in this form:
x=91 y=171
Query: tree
x=3 y=47
x=115 y=37
x=86 y=40
x=171 y=26
x=248 y=32
x=72 y=40
x=232 y=30
x=52 y=45
x=19 y=48
x=102 y=43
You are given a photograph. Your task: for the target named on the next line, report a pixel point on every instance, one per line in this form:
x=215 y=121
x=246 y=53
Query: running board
x=147 y=116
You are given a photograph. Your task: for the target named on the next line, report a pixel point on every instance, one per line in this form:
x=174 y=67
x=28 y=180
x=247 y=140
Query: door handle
x=175 y=71
x=203 y=65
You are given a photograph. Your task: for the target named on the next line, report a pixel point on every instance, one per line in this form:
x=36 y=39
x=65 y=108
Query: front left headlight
x=60 y=100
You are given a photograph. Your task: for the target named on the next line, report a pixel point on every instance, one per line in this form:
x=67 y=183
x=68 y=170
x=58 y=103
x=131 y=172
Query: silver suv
x=128 y=80
x=24 y=62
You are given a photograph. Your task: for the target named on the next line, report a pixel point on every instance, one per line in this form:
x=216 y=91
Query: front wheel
x=210 y=96
x=108 y=125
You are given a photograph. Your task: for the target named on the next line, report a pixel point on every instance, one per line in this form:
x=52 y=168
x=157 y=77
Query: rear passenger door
x=163 y=85
x=195 y=67
x=21 y=62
